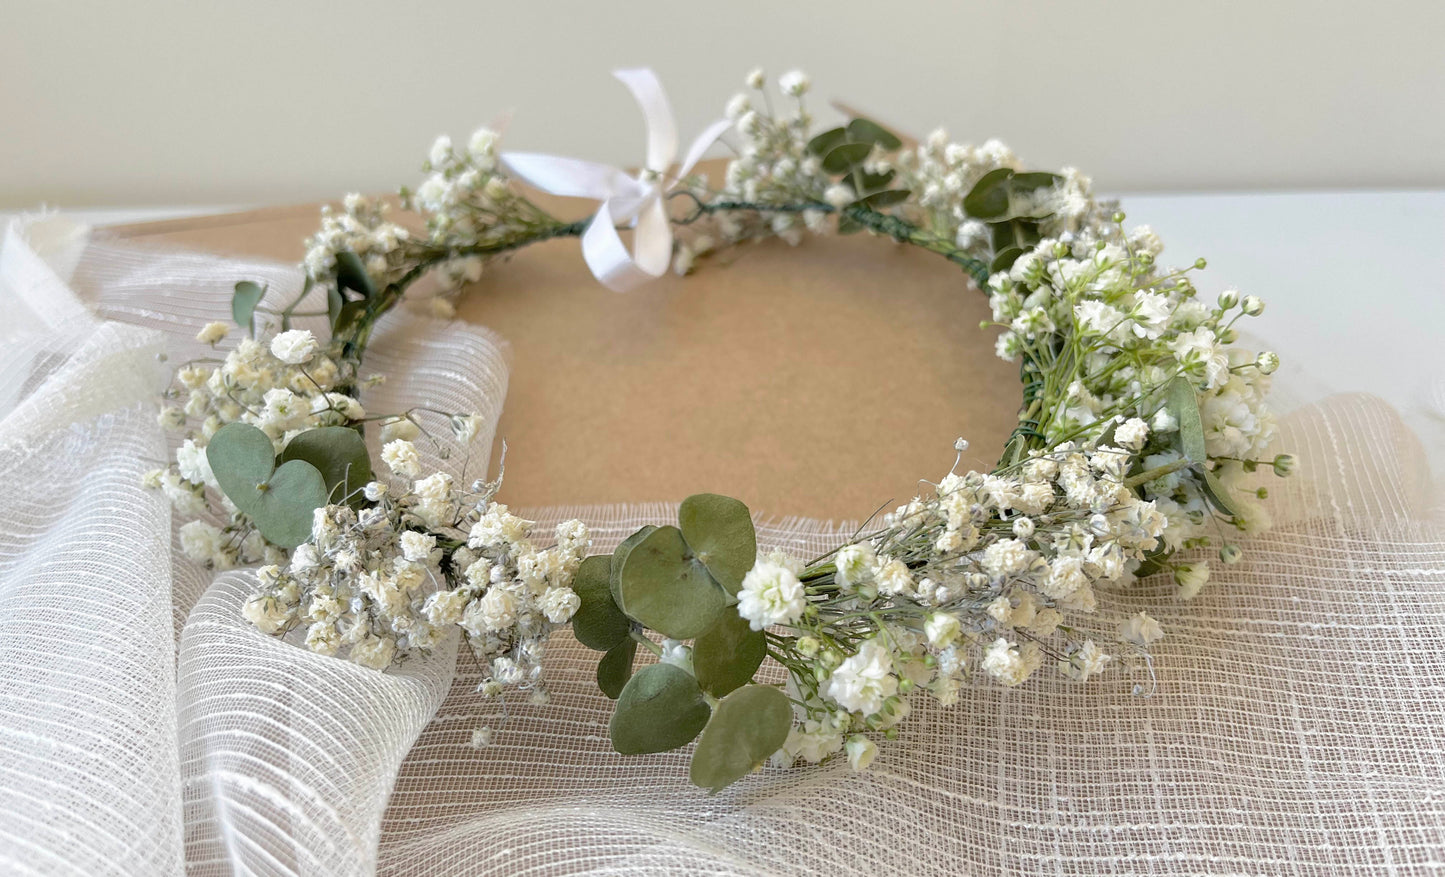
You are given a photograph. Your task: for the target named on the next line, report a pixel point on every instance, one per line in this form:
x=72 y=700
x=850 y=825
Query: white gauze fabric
x=1297 y=726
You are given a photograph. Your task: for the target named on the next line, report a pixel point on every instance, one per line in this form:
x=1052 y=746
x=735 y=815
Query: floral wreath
x=1138 y=425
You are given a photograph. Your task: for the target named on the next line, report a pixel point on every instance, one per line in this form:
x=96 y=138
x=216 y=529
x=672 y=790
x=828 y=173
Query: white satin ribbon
x=637 y=201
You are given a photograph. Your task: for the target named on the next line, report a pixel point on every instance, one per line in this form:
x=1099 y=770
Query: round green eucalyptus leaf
x=1031 y=180
x=285 y=508
x=248 y=294
x=620 y=555
x=280 y=500
x=726 y=657
x=1005 y=258
x=241 y=457
x=661 y=708
x=988 y=199
x=868 y=131
x=885 y=198
x=747 y=727
x=666 y=589
x=341 y=456
x=334 y=302
x=598 y=623
x=347 y=317
x=615 y=668
x=874 y=182
x=821 y=144
x=719 y=530
x=1154 y=561
x=351 y=274
x=843 y=157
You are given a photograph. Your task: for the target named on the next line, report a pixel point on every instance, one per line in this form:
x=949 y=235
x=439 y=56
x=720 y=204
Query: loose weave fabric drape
x=1297 y=727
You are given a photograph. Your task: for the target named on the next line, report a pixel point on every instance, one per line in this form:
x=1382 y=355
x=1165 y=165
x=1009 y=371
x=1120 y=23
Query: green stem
x=1157 y=472
x=355 y=342
x=647 y=643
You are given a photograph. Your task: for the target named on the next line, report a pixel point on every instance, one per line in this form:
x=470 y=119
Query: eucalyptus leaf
x=351 y=274
x=719 y=530
x=241 y=457
x=598 y=623
x=340 y=454
x=349 y=315
x=1154 y=562
x=726 y=657
x=619 y=555
x=281 y=499
x=874 y=182
x=867 y=131
x=660 y=708
x=849 y=225
x=843 y=157
x=824 y=142
x=667 y=589
x=615 y=668
x=284 y=513
x=1217 y=494
x=887 y=198
x=1183 y=402
x=747 y=727
x=1005 y=258
x=334 y=303
x=989 y=199
x=1028 y=182
x=1014 y=232
x=243 y=304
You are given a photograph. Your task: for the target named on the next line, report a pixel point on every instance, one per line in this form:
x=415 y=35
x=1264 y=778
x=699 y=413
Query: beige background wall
x=271 y=101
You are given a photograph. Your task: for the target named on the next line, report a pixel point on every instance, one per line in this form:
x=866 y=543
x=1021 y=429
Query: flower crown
x=1138 y=426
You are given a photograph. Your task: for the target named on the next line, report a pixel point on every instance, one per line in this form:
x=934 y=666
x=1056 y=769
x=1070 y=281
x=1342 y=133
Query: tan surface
x=822 y=380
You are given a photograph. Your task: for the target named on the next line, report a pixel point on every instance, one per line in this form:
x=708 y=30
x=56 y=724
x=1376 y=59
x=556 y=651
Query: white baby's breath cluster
x=364 y=227
x=773 y=167
x=982 y=575
x=283 y=385
x=421 y=559
x=1104 y=329
x=468 y=207
x=940 y=173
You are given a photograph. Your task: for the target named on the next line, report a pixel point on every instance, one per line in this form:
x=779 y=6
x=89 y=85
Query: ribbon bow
x=637 y=201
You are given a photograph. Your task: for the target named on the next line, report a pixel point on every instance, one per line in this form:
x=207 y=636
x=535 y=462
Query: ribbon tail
x=656 y=112
x=707 y=138
x=652 y=239
x=570 y=177
x=607 y=256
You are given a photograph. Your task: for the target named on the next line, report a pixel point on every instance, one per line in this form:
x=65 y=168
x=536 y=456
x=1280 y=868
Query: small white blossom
x=1003 y=662
x=861 y=751
x=854 y=564
x=942 y=628
x=400 y=455
x=1140 y=630
x=417 y=546
x=560 y=604
x=794 y=82
x=212 y=333
x=1132 y=433
x=771 y=594
x=294 y=347
x=862 y=682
